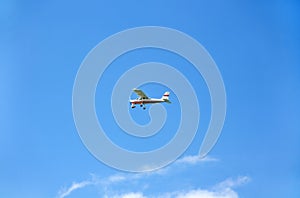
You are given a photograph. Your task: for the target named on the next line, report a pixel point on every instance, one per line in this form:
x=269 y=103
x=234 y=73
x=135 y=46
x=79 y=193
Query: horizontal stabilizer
x=167 y=101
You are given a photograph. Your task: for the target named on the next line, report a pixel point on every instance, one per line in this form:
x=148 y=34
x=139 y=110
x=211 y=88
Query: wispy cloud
x=230 y=183
x=195 y=159
x=116 y=178
x=130 y=195
x=221 y=190
x=117 y=185
x=67 y=191
x=95 y=180
x=224 y=189
x=207 y=194
x=186 y=160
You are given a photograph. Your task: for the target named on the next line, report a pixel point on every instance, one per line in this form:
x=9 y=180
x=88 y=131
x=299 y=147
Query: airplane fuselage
x=147 y=101
x=144 y=99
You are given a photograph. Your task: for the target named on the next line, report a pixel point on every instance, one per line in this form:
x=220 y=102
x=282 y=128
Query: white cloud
x=67 y=191
x=194 y=159
x=130 y=195
x=132 y=185
x=94 y=181
x=189 y=194
x=116 y=178
x=221 y=190
x=186 y=160
x=208 y=194
x=230 y=183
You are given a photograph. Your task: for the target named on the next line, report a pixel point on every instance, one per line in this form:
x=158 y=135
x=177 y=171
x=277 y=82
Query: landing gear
x=143 y=105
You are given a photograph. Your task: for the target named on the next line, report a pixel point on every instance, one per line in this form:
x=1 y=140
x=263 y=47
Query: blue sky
x=256 y=45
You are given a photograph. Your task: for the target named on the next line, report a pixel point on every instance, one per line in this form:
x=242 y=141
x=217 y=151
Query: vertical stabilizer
x=165 y=97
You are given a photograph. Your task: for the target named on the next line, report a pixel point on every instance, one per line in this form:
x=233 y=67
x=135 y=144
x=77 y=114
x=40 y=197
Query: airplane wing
x=140 y=93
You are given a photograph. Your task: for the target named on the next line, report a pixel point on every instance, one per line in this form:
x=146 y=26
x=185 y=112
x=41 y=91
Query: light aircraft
x=144 y=99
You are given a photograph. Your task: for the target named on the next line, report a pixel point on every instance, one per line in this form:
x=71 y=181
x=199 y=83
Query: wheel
x=141 y=105
x=144 y=108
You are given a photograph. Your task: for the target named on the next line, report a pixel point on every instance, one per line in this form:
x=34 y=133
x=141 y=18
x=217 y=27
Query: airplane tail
x=165 y=97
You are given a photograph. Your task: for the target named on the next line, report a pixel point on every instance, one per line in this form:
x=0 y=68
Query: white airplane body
x=144 y=99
